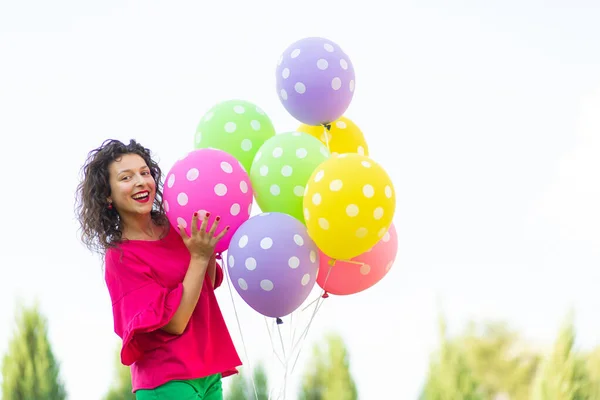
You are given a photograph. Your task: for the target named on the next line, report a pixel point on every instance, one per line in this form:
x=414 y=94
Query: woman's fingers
x=182 y=232
x=213 y=228
x=204 y=223
x=222 y=233
x=194 y=223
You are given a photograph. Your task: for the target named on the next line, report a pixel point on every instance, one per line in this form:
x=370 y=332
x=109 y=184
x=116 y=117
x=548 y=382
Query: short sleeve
x=140 y=304
x=218 y=275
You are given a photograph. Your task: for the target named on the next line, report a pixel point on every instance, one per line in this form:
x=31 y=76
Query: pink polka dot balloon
x=208 y=180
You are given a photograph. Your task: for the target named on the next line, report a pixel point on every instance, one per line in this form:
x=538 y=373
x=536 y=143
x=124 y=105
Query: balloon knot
x=279 y=321
x=218 y=256
x=325 y=295
x=327 y=126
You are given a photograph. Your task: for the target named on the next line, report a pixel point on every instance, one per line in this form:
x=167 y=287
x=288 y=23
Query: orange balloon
x=344 y=136
x=363 y=271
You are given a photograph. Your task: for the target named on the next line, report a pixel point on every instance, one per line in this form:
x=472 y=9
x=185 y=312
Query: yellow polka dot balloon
x=344 y=136
x=349 y=204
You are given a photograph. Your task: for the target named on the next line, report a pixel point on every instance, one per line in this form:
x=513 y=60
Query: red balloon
x=363 y=271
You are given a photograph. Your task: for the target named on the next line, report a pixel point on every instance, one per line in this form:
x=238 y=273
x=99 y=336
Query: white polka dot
x=182 y=222
x=361 y=232
x=255 y=124
x=298 y=240
x=365 y=164
x=243 y=186
x=266 y=285
x=336 y=185
x=231 y=261
x=361 y=150
x=295 y=53
x=388 y=192
x=305 y=279
x=300 y=87
x=294 y=262
x=275 y=190
x=234 y=209
x=386 y=236
x=239 y=109
x=365 y=269
x=319 y=175
x=283 y=94
x=299 y=191
x=328 y=47
x=323 y=223
x=351 y=86
x=316 y=199
x=264 y=170
x=368 y=191
x=209 y=116
x=306 y=214
x=182 y=199
x=220 y=189
x=336 y=83
x=166 y=206
x=301 y=153
x=340 y=124
x=313 y=256
x=285 y=73
x=246 y=144
x=198 y=137
x=277 y=152
x=352 y=210
x=378 y=213
x=260 y=111
x=242 y=283
x=171 y=181
x=250 y=264
x=286 y=170
x=192 y=174
x=388 y=266
x=243 y=241
x=226 y=167
x=230 y=127
x=322 y=64
x=343 y=64
x=266 y=243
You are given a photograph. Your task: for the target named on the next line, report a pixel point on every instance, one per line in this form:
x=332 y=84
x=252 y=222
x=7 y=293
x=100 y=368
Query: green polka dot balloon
x=238 y=127
x=282 y=167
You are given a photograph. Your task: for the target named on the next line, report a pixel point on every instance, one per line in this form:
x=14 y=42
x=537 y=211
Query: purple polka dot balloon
x=273 y=263
x=315 y=81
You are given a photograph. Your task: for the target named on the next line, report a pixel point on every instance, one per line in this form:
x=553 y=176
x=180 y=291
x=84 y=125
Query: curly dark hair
x=100 y=226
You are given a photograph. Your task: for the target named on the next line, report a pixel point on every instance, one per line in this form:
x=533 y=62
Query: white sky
x=495 y=116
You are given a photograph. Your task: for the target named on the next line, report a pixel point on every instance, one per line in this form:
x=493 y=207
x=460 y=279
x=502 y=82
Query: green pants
x=208 y=388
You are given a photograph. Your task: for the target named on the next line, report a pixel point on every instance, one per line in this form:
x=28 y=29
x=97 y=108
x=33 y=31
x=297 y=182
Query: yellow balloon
x=343 y=137
x=349 y=203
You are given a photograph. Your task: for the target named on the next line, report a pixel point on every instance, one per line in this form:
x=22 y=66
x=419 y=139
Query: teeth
x=140 y=196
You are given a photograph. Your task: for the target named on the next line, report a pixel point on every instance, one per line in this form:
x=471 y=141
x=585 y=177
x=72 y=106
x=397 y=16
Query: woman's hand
x=201 y=244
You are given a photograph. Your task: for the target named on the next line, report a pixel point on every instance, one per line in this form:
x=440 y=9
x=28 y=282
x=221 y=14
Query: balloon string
x=326 y=129
x=272 y=342
x=285 y=367
x=226 y=273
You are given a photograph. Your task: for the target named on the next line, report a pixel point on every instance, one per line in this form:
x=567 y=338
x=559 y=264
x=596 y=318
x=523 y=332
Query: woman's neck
x=140 y=228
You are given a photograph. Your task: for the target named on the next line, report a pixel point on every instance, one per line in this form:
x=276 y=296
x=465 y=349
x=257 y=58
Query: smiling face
x=132 y=187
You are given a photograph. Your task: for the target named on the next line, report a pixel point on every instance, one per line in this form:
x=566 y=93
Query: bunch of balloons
x=327 y=206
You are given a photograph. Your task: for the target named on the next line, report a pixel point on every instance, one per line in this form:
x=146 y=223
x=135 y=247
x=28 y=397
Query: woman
x=161 y=282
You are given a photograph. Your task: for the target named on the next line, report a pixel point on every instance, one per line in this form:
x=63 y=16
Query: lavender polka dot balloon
x=315 y=81
x=273 y=263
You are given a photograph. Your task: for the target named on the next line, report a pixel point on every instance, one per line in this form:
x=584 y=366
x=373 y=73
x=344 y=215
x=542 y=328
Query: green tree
x=328 y=376
x=563 y=374
x=450 y=376
x=30 y=370
x=242 y=389
x=121 y=388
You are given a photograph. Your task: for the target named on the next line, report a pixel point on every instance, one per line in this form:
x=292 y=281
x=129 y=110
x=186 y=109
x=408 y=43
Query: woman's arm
x=192 y=286
x=212 y=270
